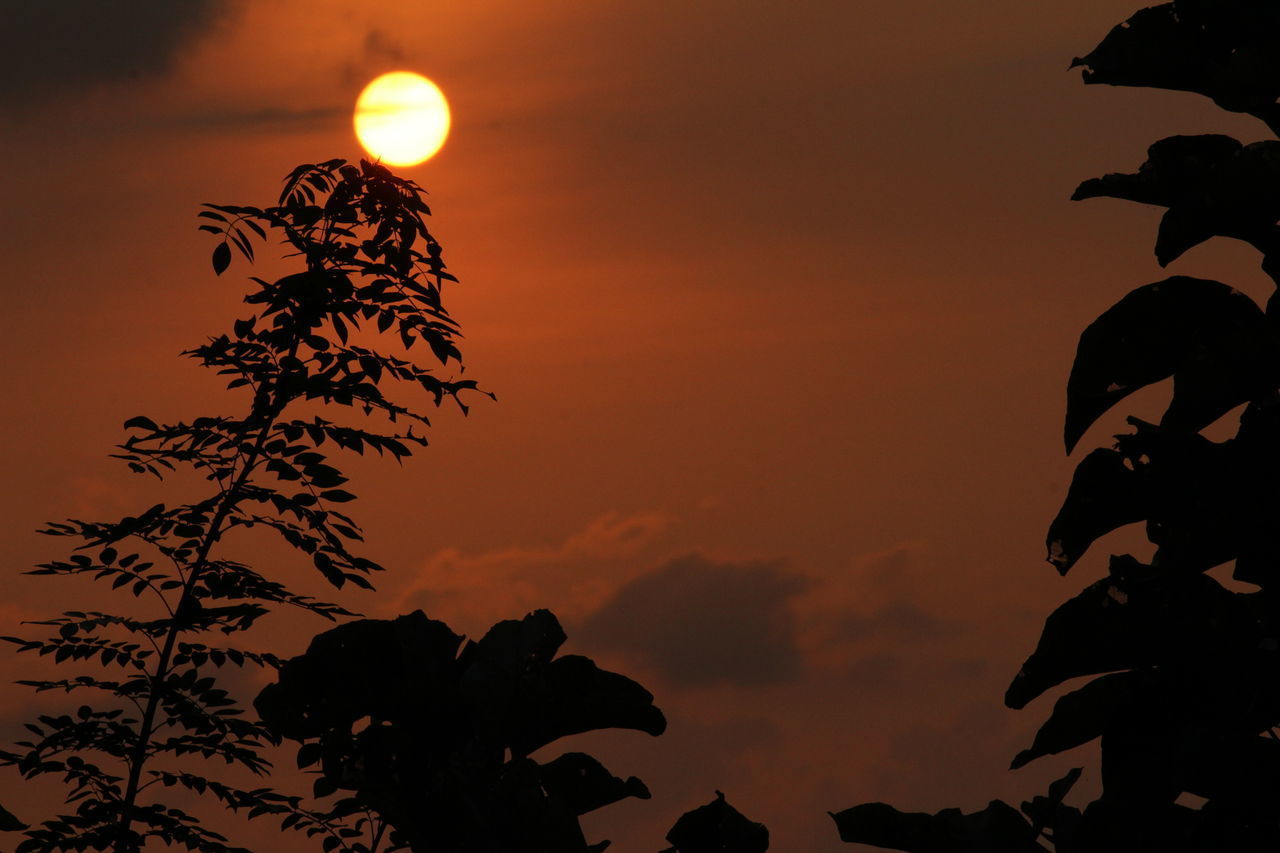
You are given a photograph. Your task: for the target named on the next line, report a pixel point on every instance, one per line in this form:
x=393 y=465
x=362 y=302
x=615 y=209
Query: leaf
x=9 y=823
x=1105 y=494
x=581 y=783
x=140 y=422
x=323 y=787
x=1080 y=716
x=1136 y=617
x=1211 y=186
x=221 y=258
x=718 y=827
x=1220 y=50
x=998 y=828
x=308 y=754
x=1176 y=168
x=576 y=696
x=1213 y=340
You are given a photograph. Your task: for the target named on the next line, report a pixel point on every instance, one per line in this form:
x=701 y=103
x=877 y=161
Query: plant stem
x=211 y=535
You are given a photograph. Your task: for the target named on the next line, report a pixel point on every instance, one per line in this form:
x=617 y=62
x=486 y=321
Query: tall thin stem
x=139 y=756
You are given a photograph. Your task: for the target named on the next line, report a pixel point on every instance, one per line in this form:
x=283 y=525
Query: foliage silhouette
x=367 y=260
x=434 y=732
x=1187 y=693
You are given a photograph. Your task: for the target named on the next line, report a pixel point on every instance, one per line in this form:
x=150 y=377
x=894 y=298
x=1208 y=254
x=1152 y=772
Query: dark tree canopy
x=1185 y=689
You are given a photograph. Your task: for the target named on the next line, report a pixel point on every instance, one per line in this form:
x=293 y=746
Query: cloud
x=379 y=53
x=900 y=621
x=699 y=622
x=51 y=49
x=856 y=623
x=571 y=578
x=265 y=119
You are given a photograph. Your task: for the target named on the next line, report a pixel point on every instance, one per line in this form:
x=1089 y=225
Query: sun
x=402 y=118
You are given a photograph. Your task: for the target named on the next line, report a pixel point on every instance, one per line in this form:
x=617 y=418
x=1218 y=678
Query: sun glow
x=402 y=118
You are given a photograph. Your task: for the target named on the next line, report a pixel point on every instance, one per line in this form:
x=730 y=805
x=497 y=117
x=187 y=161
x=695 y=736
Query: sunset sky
x=778 y=300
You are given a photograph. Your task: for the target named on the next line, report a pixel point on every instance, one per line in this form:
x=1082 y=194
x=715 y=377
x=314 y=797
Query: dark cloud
x=267 y=119
x=699 y=622
x=64 y=47
x=379 y=53
x=901 y=621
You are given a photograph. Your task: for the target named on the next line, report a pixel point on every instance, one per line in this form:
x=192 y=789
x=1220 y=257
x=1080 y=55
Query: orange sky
x=778 y=300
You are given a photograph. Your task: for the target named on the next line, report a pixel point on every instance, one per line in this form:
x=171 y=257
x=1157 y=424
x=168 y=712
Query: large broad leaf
x=374 y=667
x=1106 y=493
x=573 y=695
x=1176 y=168
x=1223 y=50
x=1135 y=617
x=506 y=662
x=1213 y=340
x=1080 y=716
x=999 y=828
x=580 y=784
x=1197 y=496
x=717 y=827
x=1212 y=186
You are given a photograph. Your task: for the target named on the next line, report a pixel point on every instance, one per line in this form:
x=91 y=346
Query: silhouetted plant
x=367 y=259
x=717 y=827
x=433 y=733
x=1188 y=693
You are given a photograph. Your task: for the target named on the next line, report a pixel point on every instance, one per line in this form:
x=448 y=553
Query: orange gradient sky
x=778 y=300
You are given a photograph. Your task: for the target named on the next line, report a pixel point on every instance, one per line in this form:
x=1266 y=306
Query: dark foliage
x=433 y=733
x=368 y=265
x=1186 y=693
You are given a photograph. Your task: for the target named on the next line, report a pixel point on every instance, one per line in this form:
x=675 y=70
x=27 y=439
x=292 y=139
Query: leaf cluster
x=434 y=732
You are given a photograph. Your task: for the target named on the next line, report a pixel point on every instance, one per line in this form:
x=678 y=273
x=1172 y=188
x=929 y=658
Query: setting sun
x=402 y=118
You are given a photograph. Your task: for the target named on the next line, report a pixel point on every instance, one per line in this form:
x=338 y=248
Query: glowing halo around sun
x=402 y=118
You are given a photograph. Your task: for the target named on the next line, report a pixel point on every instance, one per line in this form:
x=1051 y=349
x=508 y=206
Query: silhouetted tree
x=367 y=259
x=1188 y=689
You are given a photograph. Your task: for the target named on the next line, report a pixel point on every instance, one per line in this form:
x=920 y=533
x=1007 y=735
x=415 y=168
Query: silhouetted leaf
x=581 y=784
x=1135 y=617
x=1209 y=189
x=1105 y=493
x=221 y=258
x=576 y=696
x=9 y=823
x=998 y=828
x=1080 y=716
x=717 y=827
x=1213 y=340
x=1222 y=50
x=140 y=422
